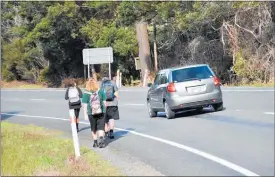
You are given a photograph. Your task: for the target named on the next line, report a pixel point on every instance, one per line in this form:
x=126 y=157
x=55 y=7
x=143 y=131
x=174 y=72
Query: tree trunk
x=155 y=49
x=144 y=50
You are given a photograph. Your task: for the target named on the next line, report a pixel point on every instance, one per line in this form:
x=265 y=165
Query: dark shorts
x=111 y=113
x=76 y=112
x=97 y=122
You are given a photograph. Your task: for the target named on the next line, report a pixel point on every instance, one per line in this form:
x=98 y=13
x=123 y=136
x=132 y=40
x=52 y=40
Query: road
x=236 y=141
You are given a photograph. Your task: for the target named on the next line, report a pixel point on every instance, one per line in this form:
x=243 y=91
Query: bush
x=7 y=75
x=80 y=82
x=43 y=75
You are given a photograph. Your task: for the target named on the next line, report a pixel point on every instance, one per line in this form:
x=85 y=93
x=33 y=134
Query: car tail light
x=217 y=81
x=171 y=87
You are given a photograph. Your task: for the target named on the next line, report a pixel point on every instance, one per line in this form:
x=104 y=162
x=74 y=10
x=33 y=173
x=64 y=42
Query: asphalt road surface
x=236 y=141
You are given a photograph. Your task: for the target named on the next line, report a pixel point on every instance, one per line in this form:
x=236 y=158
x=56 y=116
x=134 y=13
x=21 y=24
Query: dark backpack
x=108 y=88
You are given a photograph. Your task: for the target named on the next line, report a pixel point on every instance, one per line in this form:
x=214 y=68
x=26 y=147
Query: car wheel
x=168 y=112
x=151 y=112
x=218 y=106
x=199 y=109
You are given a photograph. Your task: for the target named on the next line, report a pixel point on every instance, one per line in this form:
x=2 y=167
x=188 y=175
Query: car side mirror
x=149 y=84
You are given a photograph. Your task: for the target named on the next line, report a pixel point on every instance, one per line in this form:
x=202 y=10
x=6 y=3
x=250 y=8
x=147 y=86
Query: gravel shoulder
x=127 y=164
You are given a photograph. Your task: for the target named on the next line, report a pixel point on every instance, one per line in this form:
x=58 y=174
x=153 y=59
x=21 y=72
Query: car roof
x=181 y=67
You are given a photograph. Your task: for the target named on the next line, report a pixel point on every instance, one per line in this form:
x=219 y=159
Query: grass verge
x=35 y=151
x=255 y=84
x=21 y=84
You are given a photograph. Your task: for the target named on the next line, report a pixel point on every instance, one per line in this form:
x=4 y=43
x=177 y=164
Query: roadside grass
x=21 y=84
x=254 y=84
x=35 y=151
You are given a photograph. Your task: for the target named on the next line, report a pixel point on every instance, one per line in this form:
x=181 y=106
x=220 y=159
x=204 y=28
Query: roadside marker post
x=74 y=133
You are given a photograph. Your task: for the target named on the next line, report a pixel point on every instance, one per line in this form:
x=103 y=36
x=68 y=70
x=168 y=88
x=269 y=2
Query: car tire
x=218 y=106
x=151 y=112
x=199 y=109
x=168 y=112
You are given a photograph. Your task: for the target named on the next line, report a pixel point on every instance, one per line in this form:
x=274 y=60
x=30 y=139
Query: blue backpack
x=108 y=88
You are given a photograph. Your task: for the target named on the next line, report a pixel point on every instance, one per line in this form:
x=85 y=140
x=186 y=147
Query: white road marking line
x=133 y=104
x=269 y=113
x=218 y=160
x=37 y=99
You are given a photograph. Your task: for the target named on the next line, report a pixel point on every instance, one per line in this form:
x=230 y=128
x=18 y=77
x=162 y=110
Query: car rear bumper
x=189 y=102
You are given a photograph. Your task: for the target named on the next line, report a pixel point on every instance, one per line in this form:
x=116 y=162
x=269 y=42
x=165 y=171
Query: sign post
x=98 y=56
x=74 y=133
x=89 y=72
x=110 y=77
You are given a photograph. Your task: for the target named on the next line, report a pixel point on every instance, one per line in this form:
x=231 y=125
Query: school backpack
x=73 y=95
x=95 y=103
x=108 y=88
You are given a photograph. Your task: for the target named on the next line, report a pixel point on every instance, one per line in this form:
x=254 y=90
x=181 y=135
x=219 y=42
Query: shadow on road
x=7 y=115
x=84 y=128
x=190 y=113
x=119 y=134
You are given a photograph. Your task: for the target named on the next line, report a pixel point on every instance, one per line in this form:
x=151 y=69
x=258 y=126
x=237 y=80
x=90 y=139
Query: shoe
x=111 y=135
x=95 y=145
x=101 y=143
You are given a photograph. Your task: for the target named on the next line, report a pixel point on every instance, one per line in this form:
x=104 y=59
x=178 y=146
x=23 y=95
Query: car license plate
x=196 y=89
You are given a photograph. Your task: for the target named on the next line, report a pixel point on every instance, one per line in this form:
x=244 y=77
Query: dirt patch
x=75 y=166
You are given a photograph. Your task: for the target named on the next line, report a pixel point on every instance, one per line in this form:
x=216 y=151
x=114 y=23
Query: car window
x=163 y=79
x=157 y=79
x=193 y=73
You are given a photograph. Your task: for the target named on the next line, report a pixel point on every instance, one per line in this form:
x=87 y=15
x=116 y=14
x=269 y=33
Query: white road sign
x=97 y=55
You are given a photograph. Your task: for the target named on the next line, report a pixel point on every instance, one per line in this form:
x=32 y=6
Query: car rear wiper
x=191 y=79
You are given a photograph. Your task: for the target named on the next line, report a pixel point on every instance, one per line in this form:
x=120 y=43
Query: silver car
x=178 y=89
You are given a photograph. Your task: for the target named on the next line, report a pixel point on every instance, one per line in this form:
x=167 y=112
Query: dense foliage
x=42 y=41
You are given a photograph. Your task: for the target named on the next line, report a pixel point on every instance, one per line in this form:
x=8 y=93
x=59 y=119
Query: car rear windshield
x=192 y=73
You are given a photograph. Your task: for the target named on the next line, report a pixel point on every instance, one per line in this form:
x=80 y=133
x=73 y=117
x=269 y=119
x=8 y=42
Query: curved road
x=236 y=141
